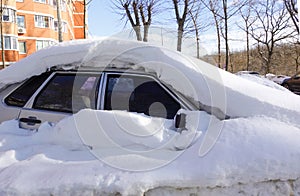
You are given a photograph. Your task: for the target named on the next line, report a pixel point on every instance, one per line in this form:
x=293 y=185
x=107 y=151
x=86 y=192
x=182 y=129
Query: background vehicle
x=279 y=79
x=247 y=72
x=293 y=83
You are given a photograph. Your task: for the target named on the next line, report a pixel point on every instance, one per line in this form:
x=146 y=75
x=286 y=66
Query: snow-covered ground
x=255 y=151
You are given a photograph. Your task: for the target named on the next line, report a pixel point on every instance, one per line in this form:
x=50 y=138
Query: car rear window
x=22 y=94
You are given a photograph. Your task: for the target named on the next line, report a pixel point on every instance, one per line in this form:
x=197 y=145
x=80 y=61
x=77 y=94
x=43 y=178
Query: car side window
x=22 y=94
x=68 y=93
x=139 y=94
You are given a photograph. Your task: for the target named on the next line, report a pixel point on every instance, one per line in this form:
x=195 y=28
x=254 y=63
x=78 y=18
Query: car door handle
x=31 y=120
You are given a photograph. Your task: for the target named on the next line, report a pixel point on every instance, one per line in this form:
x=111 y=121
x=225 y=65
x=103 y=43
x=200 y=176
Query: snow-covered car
x=101 y=75
x=293 y=83
x=238 y=137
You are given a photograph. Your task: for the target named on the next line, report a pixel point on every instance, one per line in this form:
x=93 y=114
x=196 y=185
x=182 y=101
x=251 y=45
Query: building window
x=21 y=21
x=43 y=21
x=63 y=4
x=7 y=42
x=9 y=15
x=52 y=2
x=14 y=43
x=64 y=26
x=43 y=43
x=22 y=47
x=10 y=43
x=40 y=1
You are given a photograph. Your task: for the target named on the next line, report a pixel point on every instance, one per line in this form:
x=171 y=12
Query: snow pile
x=250 y=153
x=256 y=150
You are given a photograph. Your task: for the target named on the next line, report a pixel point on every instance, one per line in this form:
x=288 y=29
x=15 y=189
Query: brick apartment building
x=30 y=25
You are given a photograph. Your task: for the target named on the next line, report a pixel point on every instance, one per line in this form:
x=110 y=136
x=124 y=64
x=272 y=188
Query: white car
x=279 y=79
x=67 y=84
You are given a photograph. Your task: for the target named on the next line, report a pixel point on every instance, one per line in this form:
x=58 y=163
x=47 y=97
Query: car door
x=140 y=94
x=63 y=94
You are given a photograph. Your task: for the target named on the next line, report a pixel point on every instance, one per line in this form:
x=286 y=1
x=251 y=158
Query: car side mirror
x=180 y=121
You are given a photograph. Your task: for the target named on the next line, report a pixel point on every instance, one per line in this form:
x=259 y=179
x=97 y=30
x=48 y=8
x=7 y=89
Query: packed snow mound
x=251 y=154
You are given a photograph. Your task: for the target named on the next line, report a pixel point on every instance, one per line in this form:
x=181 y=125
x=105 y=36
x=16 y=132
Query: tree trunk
x=180 y=21
x=226 y=34
x=248 y=49
x=146 y=33
x=198 y=47
x=219 y=47
x=179 y=37
x=137 y=30
x=59 y=22
x=218 y=37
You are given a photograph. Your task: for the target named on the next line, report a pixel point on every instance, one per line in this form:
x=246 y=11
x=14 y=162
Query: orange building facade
x=30 y=25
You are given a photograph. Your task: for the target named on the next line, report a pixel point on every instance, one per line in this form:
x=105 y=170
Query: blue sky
x=101 y=19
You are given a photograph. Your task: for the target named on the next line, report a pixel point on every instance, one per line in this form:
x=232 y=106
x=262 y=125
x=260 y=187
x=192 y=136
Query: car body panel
x=32 y=118
x=8 y=112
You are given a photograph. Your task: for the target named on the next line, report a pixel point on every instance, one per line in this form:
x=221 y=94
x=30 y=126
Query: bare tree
x=181 y=18
x=272 y=26
x=222 y=14
x=214 y=7
x=146 y=8
x=138 y=13
x=197 y=22
x=229 y=12
x=291 y=6
x=131 y=14
x=245 y=13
